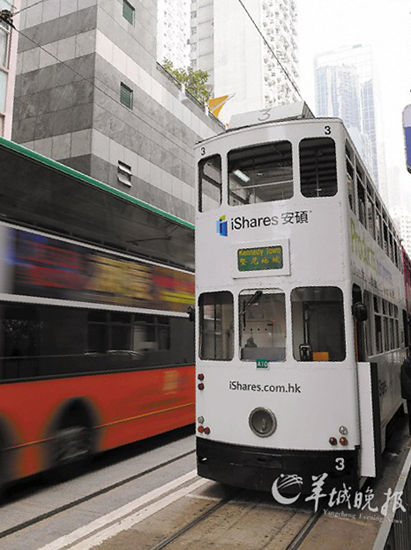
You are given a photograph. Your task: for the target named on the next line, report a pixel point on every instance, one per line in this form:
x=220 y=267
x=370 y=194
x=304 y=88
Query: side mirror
x=359 y=310
x=191 y=313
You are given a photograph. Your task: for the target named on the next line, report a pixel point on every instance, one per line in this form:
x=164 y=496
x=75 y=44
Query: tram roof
x=39 y=192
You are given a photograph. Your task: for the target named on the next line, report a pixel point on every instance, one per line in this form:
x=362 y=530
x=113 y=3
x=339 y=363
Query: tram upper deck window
x=318 y=168
x=262 y=325
x=216 y=326
x=262 y=173
x=349 y=160
x=318 y=324
x=209 y=188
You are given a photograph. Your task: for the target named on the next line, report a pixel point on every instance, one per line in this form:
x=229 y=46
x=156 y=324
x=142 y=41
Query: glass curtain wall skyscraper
x=345 y=89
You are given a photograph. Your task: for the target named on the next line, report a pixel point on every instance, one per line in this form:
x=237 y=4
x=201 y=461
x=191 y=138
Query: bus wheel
x=2 y=475
x=72 y=449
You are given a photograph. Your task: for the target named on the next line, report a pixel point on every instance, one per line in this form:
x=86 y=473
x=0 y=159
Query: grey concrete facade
x=67 y=103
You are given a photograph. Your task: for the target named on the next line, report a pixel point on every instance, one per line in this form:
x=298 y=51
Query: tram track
x=295 y=543
x=192 y=524
x=46 y=515
x=301 y=536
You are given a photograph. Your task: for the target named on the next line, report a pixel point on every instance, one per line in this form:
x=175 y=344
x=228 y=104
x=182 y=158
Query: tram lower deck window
x=318 y=324
x=262 y=325
x=216 y=326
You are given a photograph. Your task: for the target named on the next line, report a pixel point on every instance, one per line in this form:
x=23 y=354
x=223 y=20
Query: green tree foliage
x=195 y=82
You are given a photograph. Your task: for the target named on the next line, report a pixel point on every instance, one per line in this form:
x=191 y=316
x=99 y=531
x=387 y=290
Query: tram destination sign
x=260 y=258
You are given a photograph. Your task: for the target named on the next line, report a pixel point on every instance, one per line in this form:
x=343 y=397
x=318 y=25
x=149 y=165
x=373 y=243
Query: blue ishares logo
x=222 y=226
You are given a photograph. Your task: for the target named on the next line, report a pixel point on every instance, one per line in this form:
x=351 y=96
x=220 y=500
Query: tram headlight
x=262 y=422
x=343 y=430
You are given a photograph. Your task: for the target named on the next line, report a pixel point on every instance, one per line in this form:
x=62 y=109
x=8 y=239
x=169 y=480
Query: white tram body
x=293 y=244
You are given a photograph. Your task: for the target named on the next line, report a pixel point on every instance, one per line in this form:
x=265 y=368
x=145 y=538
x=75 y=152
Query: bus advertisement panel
x=39 y=265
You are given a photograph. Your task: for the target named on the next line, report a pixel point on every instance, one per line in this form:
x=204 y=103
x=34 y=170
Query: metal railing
x=189 y=95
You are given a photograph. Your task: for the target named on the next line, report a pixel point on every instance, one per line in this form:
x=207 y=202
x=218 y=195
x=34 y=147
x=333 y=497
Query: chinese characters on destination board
x=262 y=257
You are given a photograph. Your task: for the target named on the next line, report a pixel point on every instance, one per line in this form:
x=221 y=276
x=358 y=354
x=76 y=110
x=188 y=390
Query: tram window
x=318 y=167
x=350 y=176
x=262 y=173
x=378 y=332
x=391 y=246
x=385 y=238
x=397 y=333
x=216 y=326
x=361 y=197
x=368 y=326
x=378 y=223
x=209 y=185
x=386 y=334
x=370 y=213
x=318 y=324
x=262 y=325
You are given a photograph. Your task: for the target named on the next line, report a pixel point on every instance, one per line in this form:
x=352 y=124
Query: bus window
x=216 y=326
x=263 y=173
x=318 y=324
x=262 y=325
x=209 y=185
x=318 y=169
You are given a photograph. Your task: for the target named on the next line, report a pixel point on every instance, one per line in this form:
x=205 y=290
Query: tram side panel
x=379 y=376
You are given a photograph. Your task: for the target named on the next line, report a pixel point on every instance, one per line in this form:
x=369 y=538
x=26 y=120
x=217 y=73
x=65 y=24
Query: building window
x=126 y=96
x=4 y=46
x=3 y=89
x=124 y=173
x=128 y=12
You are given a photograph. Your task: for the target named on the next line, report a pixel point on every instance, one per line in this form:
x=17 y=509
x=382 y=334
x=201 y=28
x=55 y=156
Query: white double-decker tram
x=300 y=297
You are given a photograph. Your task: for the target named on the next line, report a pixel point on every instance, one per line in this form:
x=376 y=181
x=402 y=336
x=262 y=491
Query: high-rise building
x=8 y=63
x=226 y=44
x=345 y=88
x=173 y=32
x=90 y=94
x=402 y=219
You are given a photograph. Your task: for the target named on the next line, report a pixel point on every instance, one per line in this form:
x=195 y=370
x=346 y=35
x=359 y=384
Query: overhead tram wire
x=3 y=17
x=294 y=85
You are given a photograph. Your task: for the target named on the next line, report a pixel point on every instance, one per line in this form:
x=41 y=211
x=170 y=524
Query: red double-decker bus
x=96 y=345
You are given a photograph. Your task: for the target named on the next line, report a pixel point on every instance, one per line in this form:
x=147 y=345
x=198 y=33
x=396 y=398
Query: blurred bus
x=96 y=345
